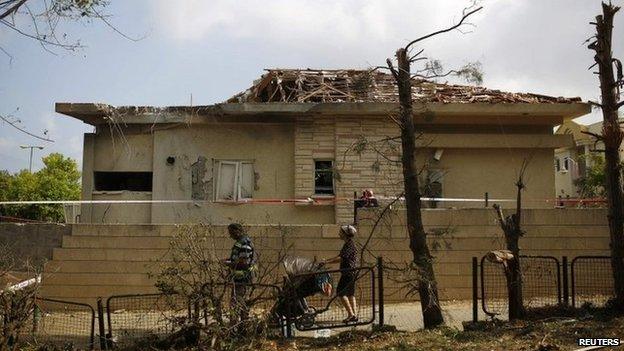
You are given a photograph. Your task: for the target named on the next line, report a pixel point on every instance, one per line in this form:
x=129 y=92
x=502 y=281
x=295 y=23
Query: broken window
x=323 y=178
x=432 y=187
x=236 y=180
x=117 y=181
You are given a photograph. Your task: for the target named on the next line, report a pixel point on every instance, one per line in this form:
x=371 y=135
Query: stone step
x=113 y=242
x=120 y=230
x=92 y=291
x=85 y=279
x=143 y=267
x=305 y=244
x=442 y=256
x=309 y=231
x=100 y=266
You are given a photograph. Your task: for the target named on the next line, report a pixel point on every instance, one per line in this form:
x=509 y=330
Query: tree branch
x=12 y=124
x=13 y=9
x=444 y=30
x=597 y=136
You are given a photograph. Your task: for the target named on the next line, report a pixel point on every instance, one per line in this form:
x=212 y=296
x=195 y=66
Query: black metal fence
x=63 y=324
x=592 y=280
x=541 y=284
x=545 y=282
x=143 y=316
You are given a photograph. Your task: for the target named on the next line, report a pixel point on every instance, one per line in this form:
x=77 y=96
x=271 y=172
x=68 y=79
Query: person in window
x=242 y=264
x=348 y=261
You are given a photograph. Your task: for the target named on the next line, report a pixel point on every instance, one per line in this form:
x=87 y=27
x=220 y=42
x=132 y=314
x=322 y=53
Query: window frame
x=238 y=169
x=239 y=176
x=327 y=170
x=98 y=181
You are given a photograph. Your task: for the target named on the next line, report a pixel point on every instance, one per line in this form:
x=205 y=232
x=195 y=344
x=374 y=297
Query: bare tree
x=422 y=259
x=512 y=229
x=192 y=269
x=611 y=136
x=41 y=20
x=17 y=301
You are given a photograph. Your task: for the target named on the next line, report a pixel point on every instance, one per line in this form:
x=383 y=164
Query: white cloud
x=304 y=22
x=6 y=144
x=49 y=125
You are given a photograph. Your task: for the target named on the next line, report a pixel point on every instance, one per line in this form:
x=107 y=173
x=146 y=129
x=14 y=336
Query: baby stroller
x=304 y=278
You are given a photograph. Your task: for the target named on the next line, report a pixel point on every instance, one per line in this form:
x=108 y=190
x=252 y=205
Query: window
x=433 y=183
x=235 y=180
x=323 y=178
x=117 y=181
x=557 y=164
x=567 y=162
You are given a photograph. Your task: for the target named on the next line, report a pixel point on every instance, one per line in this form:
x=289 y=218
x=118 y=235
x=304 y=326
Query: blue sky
x=214 y=49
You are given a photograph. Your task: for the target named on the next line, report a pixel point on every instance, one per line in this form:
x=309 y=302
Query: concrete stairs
x=104 y=260
x=101 y=261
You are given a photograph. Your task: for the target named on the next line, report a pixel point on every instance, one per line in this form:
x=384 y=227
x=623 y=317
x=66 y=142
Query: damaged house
x=295 y=147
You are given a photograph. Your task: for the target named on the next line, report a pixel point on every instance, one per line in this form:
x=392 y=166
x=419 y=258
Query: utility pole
x=31 y=147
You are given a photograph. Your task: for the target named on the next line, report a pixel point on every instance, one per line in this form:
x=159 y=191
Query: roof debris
x=353 y=85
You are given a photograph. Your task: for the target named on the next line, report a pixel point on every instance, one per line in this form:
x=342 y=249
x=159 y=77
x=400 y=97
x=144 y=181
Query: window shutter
x=246 y=180
x=228 y=172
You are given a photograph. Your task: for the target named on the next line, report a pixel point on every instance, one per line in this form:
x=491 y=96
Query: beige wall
x=104 y=151
x=269 y=146
x=103 y=260
x=476 y=159
x=472 y=163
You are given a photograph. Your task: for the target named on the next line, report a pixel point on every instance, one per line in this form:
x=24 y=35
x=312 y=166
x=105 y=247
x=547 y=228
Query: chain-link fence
x=592 y=280
x=132 y=318
x=541 y=284
x=62 y=324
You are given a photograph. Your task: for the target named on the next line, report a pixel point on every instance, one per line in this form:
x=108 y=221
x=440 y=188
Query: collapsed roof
x=353 y=85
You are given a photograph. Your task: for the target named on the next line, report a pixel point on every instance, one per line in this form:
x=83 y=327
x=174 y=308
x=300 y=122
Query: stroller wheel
x=306 y=321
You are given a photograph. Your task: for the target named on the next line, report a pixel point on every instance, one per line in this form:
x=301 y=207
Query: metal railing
x=132 y=318
x=546 y=282
x=592 y=280
x=541 y=284
x=64 y=324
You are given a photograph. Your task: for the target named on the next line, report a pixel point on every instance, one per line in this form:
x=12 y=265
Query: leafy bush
x=58 y=180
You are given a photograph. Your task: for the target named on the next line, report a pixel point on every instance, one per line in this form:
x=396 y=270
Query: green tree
x=58 y=180
x=592 y=184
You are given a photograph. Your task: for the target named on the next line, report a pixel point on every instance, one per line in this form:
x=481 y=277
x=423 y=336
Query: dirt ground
x=545 y=332
x=555 y=333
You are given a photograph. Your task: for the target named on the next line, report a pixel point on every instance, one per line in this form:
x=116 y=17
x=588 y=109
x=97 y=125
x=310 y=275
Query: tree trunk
x=427 y=285
x=612 y=138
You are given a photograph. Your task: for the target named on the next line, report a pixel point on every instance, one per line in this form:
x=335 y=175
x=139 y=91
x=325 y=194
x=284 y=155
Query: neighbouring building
x=295 y=147
x=572 y=161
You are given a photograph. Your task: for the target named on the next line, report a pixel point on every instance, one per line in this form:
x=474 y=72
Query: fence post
x=487 y=200
x=355 y=208
x=100 y=313
x=572 y=282
x=564 y=272
x=475 y=290
x=289 y=331
x=380 y=288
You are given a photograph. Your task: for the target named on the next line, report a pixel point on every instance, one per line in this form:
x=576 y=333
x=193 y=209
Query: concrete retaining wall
x=32 y=242
x=103 y=260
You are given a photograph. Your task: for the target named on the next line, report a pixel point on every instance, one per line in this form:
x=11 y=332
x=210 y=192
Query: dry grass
x=559 y=333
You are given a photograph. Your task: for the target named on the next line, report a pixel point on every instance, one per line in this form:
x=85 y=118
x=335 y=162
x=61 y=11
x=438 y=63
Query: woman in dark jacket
x=346 y=284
